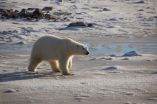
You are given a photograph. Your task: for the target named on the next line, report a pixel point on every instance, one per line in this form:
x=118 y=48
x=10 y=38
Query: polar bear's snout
x=86 y=50
x=87 y=53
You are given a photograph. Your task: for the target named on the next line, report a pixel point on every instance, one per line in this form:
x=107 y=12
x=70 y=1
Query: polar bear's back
x=48 y=47
x=46 y=41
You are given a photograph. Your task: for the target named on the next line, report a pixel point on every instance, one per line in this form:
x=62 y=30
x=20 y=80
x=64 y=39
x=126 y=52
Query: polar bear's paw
x=67 y=74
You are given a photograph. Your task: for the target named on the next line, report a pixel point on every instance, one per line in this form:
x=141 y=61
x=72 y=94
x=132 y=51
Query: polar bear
x=57 y=51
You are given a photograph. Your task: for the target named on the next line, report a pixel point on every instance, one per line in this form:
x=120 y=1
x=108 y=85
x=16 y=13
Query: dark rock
x=153 y=98
x=106 y=9
x=23 y=13
x=20 y=43
x=15 y=14
x=106 y=58
x=31 y=9
x=16 y=11
x=5 y=13
x=139 y=2
x=80 y=24
x=10 y=91
x=112 y=19
x=34 y=14
x=50 y=17
x=93 y=59
x=112 y=55
x=59 y=13
x=59 y=0
x=65 y=19
x=131 y=53
x=155 y=16
x=111 y=68
x=1 y=10
x=37 y=14
x=109 y=26
x=4 y=70
x=47 y=9
x=154 y=73
x=140 y=10
x=8 y=32
x=47 y=16
x=125 y=59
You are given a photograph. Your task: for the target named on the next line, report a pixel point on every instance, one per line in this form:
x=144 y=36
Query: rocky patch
x=34 y=14
x=80 y=24
x=131 y=53
x=106 y=9
x=10 y=90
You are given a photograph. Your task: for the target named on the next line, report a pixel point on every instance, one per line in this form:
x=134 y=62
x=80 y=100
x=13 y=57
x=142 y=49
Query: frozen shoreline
x=97 y=80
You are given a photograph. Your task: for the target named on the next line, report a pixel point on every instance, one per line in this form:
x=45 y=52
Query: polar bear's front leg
x=70 y=63
x=63 y=63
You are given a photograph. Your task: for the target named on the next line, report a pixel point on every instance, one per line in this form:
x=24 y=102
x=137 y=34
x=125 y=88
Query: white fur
x=57 y=51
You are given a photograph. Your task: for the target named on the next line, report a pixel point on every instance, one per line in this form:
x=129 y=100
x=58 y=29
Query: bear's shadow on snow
x=6 y=77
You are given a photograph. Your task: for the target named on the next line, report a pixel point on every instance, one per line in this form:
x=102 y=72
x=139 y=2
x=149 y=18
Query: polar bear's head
x=77 y=48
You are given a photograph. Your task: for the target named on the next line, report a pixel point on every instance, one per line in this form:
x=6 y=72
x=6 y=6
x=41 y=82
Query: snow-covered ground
x=106 y=76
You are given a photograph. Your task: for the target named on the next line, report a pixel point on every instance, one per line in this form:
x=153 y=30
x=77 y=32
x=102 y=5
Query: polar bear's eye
x=83 y=48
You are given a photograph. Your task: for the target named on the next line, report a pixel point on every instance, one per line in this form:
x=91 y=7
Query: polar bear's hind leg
x=54 y=65
x=33 y=64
